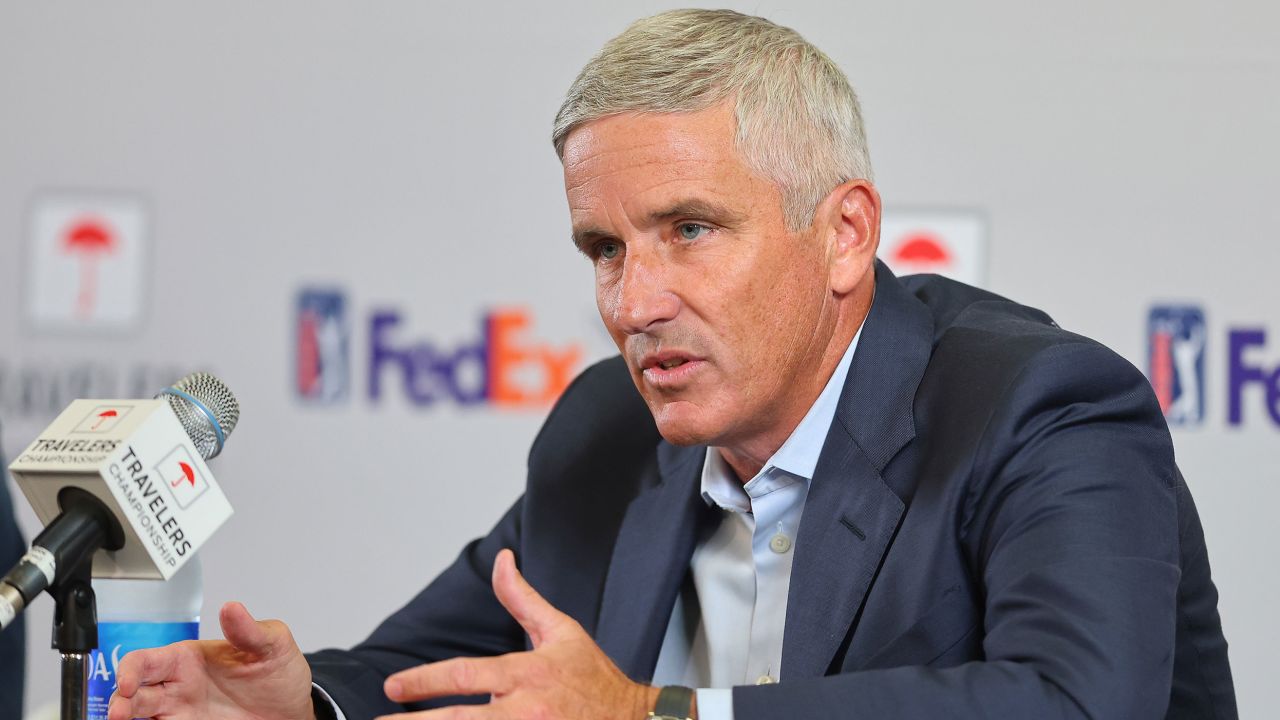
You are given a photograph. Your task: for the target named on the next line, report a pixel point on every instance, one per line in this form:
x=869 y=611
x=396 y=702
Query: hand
x=257 y=673
x=566 y=675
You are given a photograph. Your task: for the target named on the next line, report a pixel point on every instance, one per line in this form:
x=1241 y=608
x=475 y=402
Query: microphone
x=123 y=482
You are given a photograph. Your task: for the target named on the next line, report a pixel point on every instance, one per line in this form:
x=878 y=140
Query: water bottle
x=135 y=614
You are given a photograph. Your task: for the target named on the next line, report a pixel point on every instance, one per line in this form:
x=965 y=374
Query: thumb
x=537 y=616
x=245 y=633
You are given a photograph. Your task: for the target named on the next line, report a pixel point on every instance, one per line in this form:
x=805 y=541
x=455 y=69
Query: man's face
x=722 y=314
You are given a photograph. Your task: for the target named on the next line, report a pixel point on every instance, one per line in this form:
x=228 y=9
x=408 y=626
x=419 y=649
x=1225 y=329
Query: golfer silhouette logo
x=1176 y=344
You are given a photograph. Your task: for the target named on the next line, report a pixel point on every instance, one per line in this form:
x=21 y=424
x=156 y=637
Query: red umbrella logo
x=922 y=248
x=187 y=474
x=104 y=416
x=90 y=239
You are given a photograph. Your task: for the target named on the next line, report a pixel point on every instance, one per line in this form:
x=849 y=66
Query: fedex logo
x=1246 y=372
x=501 y=366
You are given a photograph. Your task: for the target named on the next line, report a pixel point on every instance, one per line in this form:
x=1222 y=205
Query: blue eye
x=608 y=250
x=691 y=231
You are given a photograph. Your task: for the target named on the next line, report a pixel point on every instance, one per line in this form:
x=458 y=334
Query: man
x=836 y=494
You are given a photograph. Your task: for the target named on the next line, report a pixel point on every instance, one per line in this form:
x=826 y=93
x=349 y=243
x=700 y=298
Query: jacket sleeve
x=456 y=615
x=1070 y=526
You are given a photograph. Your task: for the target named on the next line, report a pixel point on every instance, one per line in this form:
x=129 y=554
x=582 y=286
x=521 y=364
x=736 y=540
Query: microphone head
x=207 y=410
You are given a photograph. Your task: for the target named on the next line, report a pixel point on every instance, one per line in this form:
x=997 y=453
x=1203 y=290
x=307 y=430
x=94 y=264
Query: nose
x=644 y=295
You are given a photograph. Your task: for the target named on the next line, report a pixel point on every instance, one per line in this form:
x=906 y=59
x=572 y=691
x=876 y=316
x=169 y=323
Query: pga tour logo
x=323 y=341
x=103 y=419
x=182 y=476
x=1175 y=341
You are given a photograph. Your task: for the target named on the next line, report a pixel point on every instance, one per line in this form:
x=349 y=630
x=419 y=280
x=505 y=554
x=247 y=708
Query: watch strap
x=321 y=705
x=675 y=702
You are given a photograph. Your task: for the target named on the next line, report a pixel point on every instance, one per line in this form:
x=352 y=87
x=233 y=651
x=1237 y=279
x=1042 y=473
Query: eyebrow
x=585 y=238
x=691 y=208
x=696 y=208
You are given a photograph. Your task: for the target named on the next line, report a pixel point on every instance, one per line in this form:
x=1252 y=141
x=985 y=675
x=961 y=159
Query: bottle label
x=115 y=640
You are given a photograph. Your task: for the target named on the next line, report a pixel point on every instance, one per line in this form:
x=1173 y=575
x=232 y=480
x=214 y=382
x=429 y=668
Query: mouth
x=670 y=369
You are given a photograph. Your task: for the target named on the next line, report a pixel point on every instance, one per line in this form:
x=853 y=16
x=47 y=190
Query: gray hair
x=798 y=119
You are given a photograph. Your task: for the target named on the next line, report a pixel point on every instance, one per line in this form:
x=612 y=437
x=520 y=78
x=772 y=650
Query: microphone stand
x=75 y=634
x=85 y=526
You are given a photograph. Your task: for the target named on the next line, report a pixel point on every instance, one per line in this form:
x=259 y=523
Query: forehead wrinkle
x=613 y=134
x=596 y=150
x=641 y=212
x=608 y=159
x=638 y=203
x=665 y=150
x=582 y=173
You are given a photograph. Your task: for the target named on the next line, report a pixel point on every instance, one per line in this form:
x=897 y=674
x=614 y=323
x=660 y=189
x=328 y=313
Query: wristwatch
x=674 y=703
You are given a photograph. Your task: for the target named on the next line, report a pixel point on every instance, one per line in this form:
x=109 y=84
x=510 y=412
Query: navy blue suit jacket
x=996 y=529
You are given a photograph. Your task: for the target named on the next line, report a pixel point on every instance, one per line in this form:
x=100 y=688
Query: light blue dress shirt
x=726 y=628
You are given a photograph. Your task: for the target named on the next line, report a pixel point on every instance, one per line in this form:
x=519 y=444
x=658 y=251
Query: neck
x=748 y=457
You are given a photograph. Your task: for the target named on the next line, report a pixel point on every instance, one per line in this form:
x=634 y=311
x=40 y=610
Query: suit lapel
x=851 y=515
x=650 y=561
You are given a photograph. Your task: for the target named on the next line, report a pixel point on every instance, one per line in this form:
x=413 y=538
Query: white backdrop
x=395 y=155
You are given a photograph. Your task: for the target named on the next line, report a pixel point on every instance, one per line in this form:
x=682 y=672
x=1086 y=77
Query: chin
x=682 y=423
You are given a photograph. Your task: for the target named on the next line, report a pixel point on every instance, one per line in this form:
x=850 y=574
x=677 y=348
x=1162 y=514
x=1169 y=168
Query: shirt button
x=764 y=680
x=780 y=544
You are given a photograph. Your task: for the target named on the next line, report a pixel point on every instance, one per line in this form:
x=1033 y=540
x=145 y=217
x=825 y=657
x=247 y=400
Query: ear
x=851 y=217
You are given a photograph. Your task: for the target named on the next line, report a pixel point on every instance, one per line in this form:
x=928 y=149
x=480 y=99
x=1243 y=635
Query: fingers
x=146 y=702
x=147 y=667
x=264 y=638
x=241 y=630
x=120 y=708
x=460 y=676
x=537 y=616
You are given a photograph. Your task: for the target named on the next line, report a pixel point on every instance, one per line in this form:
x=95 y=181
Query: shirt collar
x=797 y=457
